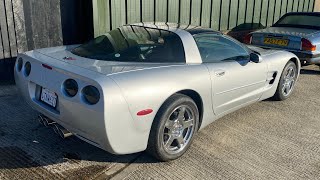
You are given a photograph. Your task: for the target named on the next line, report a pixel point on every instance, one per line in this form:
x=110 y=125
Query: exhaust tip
x=62 y=132
x=41 y=120
x=55 y=129
x=59 y=130
x=45 y=120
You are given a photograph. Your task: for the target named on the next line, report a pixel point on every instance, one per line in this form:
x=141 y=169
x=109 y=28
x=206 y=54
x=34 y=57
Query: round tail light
x=91 y=95
x=19 y=64
x=70 y=87
x=27 y=68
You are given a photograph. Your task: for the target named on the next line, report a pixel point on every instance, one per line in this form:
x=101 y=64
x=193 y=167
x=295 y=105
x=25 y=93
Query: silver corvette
x=150 y=86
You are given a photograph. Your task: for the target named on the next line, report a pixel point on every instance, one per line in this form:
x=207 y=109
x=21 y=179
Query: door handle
x=220 y=73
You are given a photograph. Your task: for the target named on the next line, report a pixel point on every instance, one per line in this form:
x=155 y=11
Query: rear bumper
x=306 y=58
x=107 y=124
x=80 y=119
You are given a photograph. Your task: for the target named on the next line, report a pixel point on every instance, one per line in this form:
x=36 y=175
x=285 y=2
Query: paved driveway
x=267 y=140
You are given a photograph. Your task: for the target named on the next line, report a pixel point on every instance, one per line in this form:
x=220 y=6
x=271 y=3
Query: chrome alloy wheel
x=179 y=129
x=288 y=81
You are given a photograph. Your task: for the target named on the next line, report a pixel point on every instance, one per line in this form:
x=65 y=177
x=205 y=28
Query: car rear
x=302 y=39
x=43 y=82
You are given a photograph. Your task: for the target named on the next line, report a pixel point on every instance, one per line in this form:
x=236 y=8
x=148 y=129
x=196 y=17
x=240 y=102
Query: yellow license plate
x=274 y=41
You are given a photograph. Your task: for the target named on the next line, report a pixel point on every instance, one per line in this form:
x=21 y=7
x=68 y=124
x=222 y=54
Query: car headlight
x=70 y=87
x=27 y=68
x=19 y=64
x=91 y=94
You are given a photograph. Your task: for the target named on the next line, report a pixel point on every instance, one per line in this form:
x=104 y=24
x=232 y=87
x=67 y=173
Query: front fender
x=276 y=63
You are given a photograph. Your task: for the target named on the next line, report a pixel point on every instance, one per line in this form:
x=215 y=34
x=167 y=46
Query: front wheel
x=287 y=81
x=173 y=128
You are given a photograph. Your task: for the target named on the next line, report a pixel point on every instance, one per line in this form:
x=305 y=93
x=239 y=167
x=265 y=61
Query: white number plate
x=48 y=97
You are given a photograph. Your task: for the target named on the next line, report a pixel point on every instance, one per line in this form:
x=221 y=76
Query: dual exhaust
x=45 y=121
x=61 y=131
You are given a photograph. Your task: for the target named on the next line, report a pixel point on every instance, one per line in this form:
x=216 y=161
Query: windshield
x=299 y=21
x=134 y=44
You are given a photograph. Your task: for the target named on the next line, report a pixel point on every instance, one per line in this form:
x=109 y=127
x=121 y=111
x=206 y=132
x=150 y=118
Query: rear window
x=134 y=44
x=299 y=21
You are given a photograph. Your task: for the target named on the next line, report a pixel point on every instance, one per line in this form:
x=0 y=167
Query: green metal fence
x=216 y=14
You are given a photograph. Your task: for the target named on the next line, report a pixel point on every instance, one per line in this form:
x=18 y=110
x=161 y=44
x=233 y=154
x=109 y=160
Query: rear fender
x=150 y=88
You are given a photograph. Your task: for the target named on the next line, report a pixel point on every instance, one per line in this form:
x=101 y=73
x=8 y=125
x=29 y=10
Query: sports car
x=150 y=86
x=297 y=32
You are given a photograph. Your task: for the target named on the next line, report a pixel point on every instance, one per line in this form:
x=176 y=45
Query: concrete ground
x=267 y=140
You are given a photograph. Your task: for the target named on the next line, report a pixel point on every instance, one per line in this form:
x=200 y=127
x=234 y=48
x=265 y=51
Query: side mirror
x=255 y=58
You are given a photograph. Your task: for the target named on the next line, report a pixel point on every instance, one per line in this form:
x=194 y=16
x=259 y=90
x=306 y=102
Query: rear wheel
x=287 y=81
x=173 y=128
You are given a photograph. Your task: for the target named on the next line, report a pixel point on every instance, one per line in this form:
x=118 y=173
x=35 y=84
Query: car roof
x=193 y=30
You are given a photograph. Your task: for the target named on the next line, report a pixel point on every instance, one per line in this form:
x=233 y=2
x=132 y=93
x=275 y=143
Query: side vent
x=274 y=75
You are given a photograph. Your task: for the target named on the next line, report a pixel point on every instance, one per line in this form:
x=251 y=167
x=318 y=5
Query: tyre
x=287 y=81
x=173 y=128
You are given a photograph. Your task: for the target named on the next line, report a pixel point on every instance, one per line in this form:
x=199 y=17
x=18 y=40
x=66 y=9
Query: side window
x=216 y=48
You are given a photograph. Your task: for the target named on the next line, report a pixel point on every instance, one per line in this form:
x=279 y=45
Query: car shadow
x=5 y=82
x=310 y=72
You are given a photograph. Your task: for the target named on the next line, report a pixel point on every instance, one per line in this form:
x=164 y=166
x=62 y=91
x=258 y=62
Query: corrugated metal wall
x=9 y=28
x=8 y=41
x=32 y=24
x=27 y=25
x=216 y=14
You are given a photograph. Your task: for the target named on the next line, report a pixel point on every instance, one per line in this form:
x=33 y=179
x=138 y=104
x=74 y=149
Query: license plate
x=274 y=41
x=48 y=97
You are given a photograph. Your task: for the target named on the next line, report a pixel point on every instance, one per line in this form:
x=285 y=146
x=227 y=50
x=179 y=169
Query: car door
x=236 y=81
